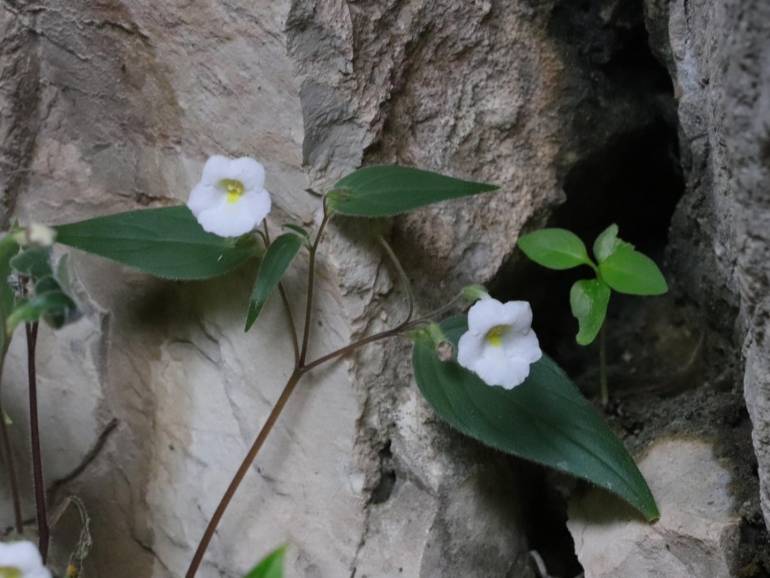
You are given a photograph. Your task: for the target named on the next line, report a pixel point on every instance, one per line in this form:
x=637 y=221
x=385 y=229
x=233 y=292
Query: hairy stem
x=34 y=433
x=401 y=328
x=604 y=390
x=13 y=481
x=351 y=347
x=242 y=471
x=310 y=283
x=401 y=273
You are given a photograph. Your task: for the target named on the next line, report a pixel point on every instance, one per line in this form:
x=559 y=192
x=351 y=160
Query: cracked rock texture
x=112 y=105
x=718 y=54
x=697 y=530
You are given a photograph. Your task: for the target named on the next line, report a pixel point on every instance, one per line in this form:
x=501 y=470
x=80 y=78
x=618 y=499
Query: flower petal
x=496 y=368
x=250 y=172
x=234 y=219
x=525 y=347
x=517 y=314
x=24 y=556
x=484 y=315
x=469 y=349
x=203 y=197
x=491 y=367
x=215 y=169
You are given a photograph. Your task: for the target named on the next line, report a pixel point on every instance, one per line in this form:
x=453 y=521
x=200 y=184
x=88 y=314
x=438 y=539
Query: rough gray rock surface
x=113 y=105
x=719 y=57
x=696 y=535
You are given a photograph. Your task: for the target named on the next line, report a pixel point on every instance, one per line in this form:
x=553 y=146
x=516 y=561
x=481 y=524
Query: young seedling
x=618 y=266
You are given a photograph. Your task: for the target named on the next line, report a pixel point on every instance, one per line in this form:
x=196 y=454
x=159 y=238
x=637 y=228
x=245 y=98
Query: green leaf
x=606 y=243
x=46 y=285
x=382 y=191
x=299 y=231
x=629 y=271
x=555 y=248
x=167 y=242
x=270 y=567
x=63 y=274
x=8 y=249
x=54 y=307
x=545 y=420
x=34 y=262
x=277 y=259
x=588 y=300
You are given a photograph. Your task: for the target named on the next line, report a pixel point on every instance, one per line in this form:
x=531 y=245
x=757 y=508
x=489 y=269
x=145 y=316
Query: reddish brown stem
x=300 y=369
x=401 y=328
x=34 y=433
x=310 y=286
x=241 y=473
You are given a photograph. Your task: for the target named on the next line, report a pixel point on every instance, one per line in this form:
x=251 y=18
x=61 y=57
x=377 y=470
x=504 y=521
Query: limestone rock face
x=115 y=105
x=697 y=531
x=719 y=57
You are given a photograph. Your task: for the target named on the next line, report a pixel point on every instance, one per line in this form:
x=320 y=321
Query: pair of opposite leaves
x=619 y=267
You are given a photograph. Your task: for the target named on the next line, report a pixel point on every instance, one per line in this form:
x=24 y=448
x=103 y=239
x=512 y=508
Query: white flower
x=21 y=560
x=41 y=235
x=230 y=198
x=499 y=345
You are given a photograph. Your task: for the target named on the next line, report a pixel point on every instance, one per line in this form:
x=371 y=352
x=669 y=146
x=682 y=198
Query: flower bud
x=445 y=351
x=473 y=293
x=41 y=235
x=444 y=348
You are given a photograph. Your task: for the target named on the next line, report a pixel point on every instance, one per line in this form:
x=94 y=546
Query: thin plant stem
x=310 y=283
x=351 y=347
x=286 y=306
x=292 y=327
x=274 y=413
x=242 y=471
x=301 y=368
x=401 y=273
x=401 y=328
x=603 y=388
x=34 y=432
x=13 y=481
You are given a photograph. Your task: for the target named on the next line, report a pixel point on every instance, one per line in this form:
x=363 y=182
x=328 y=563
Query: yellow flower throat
x=233 y=189
x=495 y=335
x=9 y=572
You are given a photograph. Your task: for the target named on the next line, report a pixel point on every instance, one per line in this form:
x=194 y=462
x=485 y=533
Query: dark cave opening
x=635 y=182
x=622 y=166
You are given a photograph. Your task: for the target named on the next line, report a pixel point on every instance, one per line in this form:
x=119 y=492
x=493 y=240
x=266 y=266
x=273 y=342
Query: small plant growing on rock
x=618 y=267
x=483 y=373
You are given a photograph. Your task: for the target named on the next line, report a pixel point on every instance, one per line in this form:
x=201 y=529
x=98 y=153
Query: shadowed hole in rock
x=623 y=167
x=384 y=489
x=635 y=182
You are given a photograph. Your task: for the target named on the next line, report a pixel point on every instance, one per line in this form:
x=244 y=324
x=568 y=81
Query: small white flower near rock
x=21 y=560
x=230 y=199
x=499 y=345
x=41 y=235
